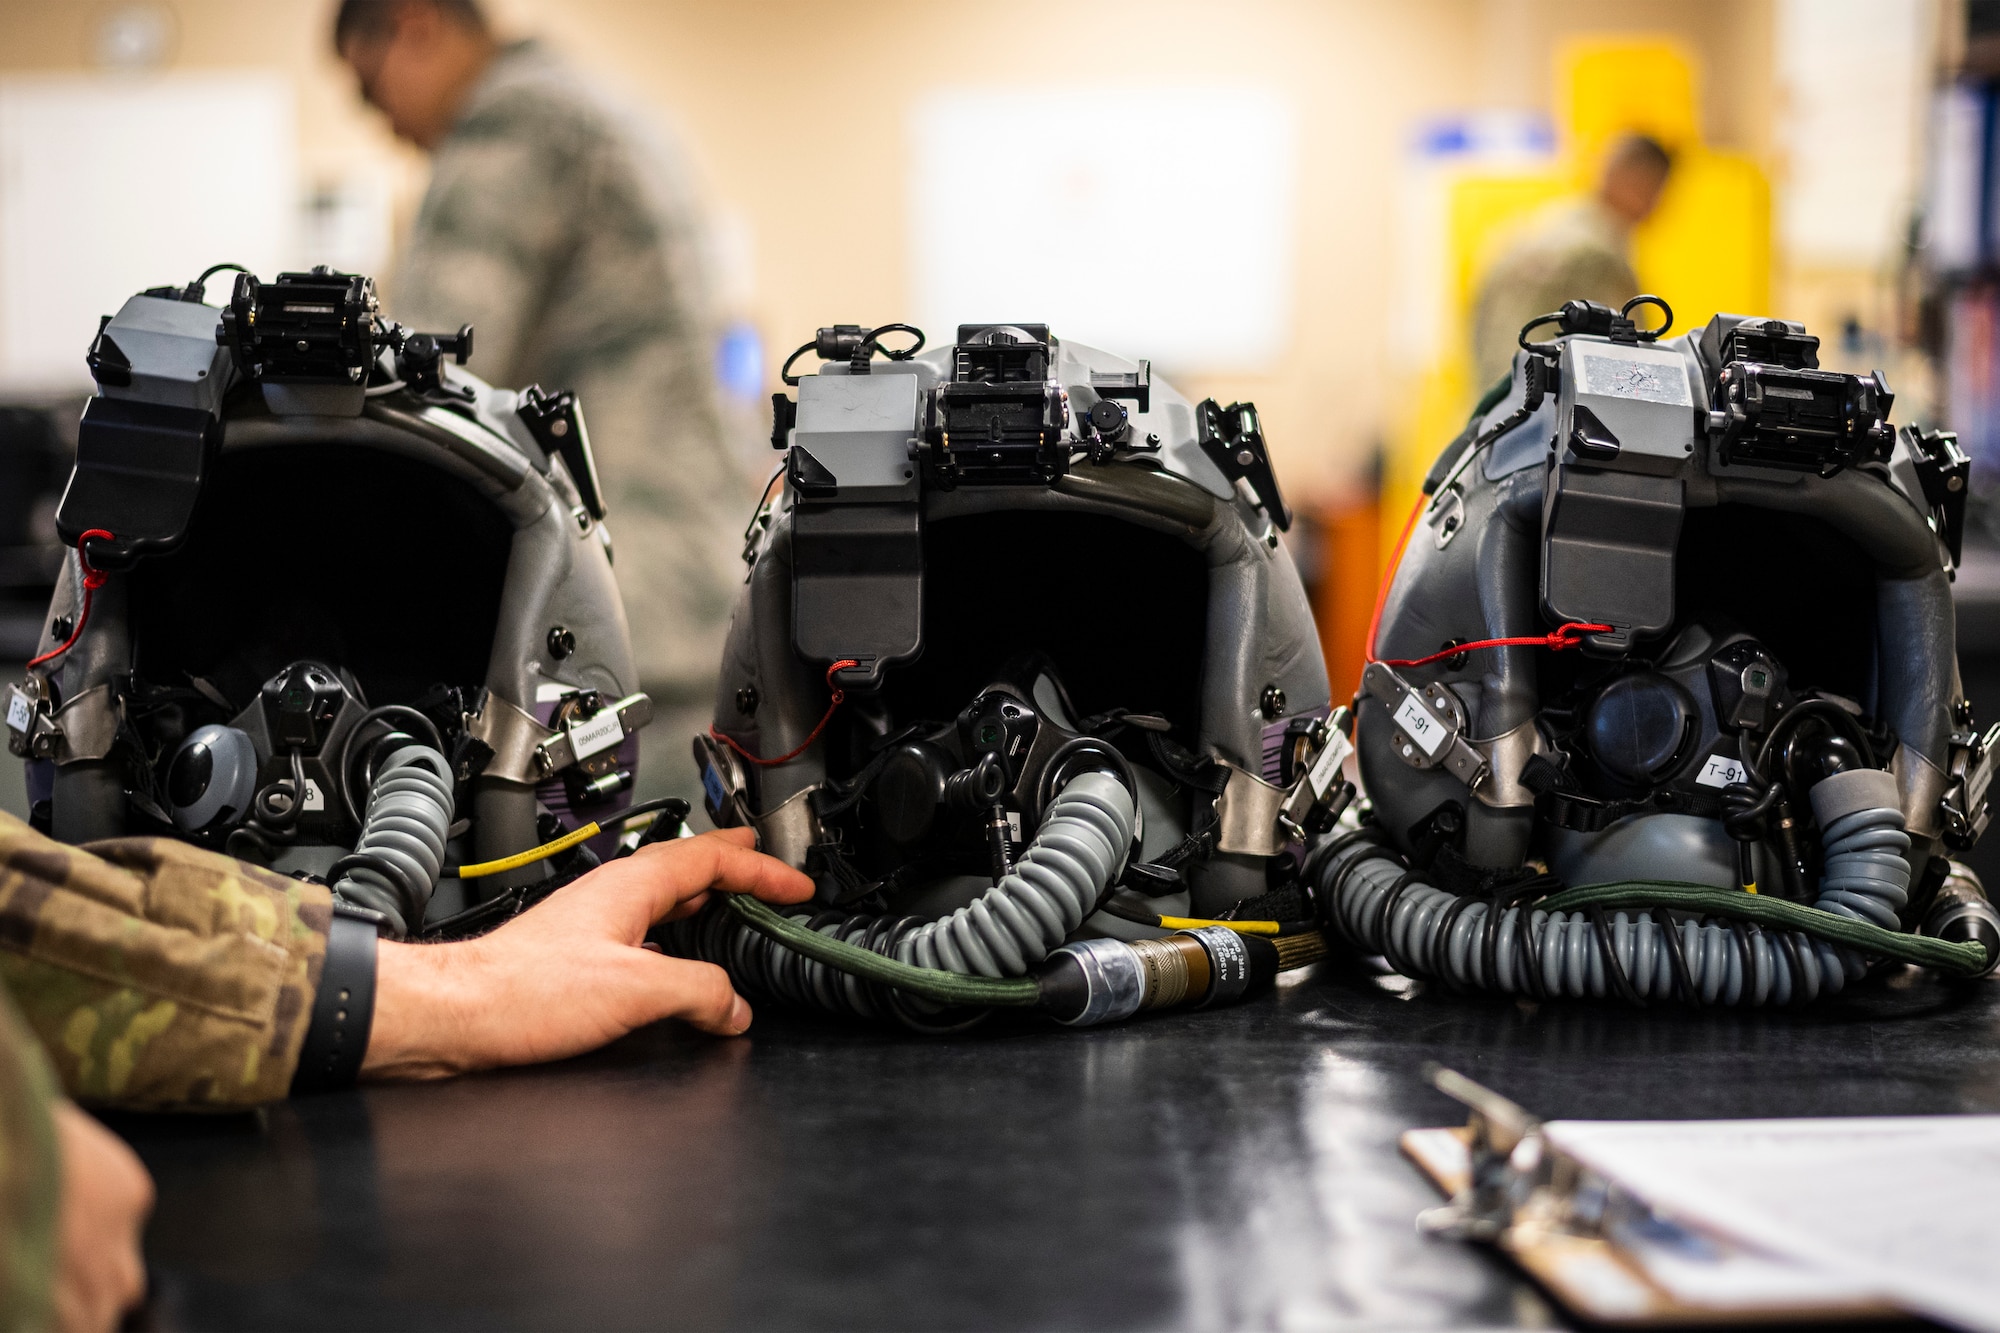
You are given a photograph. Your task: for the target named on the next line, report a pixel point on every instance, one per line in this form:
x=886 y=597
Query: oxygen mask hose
x=395 y=865
x=1076 y=853
x=1588 y=942
x=1080 y=985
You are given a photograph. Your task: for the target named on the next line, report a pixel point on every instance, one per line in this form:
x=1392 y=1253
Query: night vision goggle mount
x=865 y=443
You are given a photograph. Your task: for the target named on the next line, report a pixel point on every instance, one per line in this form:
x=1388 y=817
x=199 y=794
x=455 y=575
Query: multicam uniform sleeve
x=157 y=974
x=29 y=1177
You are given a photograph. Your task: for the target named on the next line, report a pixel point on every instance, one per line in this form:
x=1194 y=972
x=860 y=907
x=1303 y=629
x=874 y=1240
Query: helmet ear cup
x=212 y=778
x=1639 y=726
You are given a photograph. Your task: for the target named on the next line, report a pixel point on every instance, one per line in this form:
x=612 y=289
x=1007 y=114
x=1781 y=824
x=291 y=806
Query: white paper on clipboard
x=1908 y=1206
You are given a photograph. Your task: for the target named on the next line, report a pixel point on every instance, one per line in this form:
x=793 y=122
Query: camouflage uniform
x=568 y=237
x=157 y=974
x=1574 y=250
x=29 y=1178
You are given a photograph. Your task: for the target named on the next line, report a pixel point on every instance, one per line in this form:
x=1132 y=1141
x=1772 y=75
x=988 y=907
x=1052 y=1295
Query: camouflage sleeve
x=157 y=974
x=29 y=1177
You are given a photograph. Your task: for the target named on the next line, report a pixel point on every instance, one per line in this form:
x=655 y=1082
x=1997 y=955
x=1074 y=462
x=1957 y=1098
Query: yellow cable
x=1240 y=927
x=532 y=855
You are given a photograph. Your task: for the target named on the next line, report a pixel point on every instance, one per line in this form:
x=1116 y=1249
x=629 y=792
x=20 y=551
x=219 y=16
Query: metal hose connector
x=394 y=866
x=1073 y=857
x=1369 y=898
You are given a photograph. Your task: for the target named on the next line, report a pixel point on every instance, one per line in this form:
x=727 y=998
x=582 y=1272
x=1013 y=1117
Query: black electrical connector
x=855 y=345
x=1594 y=319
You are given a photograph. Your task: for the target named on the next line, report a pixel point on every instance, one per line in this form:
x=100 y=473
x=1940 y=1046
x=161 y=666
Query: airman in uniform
x=1578 y=249
x=567 y=233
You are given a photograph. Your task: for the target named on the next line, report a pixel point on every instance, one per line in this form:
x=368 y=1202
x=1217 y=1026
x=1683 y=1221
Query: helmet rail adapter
x=1673 y=625
x=333 y=605
x=1023 y=675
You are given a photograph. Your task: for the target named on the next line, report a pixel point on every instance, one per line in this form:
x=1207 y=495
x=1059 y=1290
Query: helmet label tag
x=1419 y=725
x=20 y=709
x=596 y=734
x=1721 y=771
x=315 y=798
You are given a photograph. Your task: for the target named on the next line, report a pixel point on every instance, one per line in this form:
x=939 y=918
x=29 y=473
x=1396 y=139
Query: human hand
x=570 y=974
x=106 y=1195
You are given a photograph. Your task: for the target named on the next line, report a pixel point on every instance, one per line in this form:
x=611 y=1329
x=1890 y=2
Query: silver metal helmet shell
x=1164 y=521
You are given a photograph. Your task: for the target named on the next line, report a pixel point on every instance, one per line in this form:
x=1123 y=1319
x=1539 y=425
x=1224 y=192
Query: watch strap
x=344 y=1008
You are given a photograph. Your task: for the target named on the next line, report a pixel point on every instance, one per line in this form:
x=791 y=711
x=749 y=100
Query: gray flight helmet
x=1722 y=569
x=298 y=532
x=1025 y=515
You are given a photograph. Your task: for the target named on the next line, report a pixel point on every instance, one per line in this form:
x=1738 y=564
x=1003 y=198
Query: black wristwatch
x=344 y=1009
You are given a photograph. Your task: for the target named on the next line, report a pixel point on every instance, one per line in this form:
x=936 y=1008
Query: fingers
x=672 y=872
x=699 y=994
x=106 y=1195
x=687 y=907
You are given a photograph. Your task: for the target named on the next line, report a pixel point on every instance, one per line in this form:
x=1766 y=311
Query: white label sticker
x=20 y=710
x=599 y=733
x=1418 y=724
x=1014 y=826
x=1327 y=767
x=315 y=798
x=548 y=691
x=1720 y=771
x=1641 y=380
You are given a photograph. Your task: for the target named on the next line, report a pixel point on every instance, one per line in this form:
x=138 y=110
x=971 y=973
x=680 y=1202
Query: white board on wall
x=110 y=184
x=1151 y=222
x=1853 y=77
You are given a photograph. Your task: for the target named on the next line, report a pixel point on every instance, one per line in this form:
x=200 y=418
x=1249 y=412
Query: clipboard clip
x=1504 y=1151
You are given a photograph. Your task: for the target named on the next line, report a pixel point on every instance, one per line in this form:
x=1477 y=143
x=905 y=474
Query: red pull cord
x=93 y=579
x=837 y=697
x=1568 y=636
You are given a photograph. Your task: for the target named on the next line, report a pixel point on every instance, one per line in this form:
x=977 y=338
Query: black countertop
x=1206 y=1170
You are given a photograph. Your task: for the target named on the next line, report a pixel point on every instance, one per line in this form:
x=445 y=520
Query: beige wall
x=793 y=115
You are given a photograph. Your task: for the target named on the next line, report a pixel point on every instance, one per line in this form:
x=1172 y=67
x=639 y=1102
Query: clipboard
x=1595 y=1279
x=1602 y=1253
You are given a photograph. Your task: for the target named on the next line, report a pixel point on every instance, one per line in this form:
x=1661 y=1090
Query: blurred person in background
x=1579 y=249
x=567 y=234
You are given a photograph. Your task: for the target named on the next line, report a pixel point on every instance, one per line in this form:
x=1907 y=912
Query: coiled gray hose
x=1006 y=930
x=1371 y=900
x=1077 y=852
x=394 y=867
